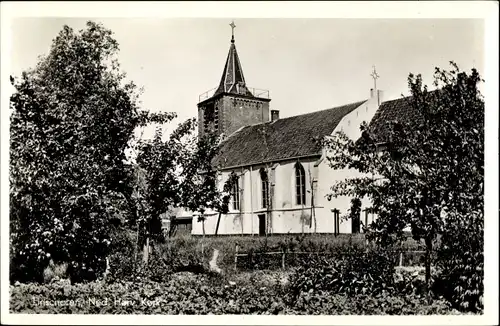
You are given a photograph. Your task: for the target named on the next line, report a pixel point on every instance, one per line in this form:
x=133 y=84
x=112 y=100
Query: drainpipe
x=251 y=199
x=241 y=196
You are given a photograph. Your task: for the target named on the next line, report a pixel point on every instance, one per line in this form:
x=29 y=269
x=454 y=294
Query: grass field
x=320 y=244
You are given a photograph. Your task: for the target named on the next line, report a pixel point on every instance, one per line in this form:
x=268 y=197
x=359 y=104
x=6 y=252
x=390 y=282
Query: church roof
x=232 y=80
x=395 y=110
x=281 y=139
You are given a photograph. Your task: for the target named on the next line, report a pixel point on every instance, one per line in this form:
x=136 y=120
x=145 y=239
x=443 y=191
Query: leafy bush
x=320 y=302
x=353 y=272
x=182 y=255
x=411 y=280
x=122 y=260
x=202 y=295
x=461 y=262
x=125 y=266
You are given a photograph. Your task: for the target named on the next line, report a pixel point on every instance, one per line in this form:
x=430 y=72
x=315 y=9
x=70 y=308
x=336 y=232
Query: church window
x=211 y=118
x=235 y=195
x=265 y=188
x=300 y=184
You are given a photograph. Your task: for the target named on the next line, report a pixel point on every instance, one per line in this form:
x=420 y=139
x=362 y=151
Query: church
x=282 y=174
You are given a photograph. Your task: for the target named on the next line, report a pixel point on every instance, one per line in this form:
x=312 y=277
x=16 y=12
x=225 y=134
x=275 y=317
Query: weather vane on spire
x=375 y=76
x=232 y=31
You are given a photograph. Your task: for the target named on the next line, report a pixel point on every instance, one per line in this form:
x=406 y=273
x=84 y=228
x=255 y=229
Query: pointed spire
x=232 y=80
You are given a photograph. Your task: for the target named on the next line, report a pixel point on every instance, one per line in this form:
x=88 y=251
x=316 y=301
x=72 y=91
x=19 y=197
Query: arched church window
x=265 y=188
x=300 y=184
x=235 y=195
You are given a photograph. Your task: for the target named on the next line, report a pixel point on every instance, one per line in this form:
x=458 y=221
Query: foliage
x=200 y=188
x=461 y=261
x=125 y=267
x=320 y=303
x=198 y=295
x=352 y=272
x=411 y=280
x=72 y=117
x=122 y=260
x=327 y=245
x=182 y=255
x=429 y=167
x=158 y=183
x=354 y=214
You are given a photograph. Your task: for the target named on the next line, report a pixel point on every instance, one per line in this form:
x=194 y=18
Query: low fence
x=283 y=255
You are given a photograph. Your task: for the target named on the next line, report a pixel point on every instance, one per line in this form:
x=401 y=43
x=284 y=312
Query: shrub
x=325 y=303
x=202 y=295
x=461 y=261
x=55 y=272
x=182 y=255
x=353 y=272
x=122 y=260
x=156 y=270
x=411 y=280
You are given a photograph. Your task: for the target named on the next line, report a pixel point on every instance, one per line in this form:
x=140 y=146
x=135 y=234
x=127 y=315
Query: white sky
x=306 y=64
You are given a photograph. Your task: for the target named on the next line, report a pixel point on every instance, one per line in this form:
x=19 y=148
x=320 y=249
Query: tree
x=159 y=187
x=354 y=214
x=72 y=117
x=427 y=169
x=200 y=189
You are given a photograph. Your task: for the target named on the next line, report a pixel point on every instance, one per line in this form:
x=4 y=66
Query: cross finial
x=375 y=76
x=232 y=31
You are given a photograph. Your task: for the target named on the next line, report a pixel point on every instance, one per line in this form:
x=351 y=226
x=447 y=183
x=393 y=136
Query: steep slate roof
x=232 y=80
x=281 y=139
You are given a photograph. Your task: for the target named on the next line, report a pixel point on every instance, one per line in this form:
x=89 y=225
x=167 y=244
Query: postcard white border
x=232 y=10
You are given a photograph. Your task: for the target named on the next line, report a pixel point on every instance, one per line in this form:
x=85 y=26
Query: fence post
x=236 y=258
x=401 y=259
x=283 y=260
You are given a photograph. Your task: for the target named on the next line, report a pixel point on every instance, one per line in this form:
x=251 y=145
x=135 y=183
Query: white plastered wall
x=286 y=216
x=327 y=176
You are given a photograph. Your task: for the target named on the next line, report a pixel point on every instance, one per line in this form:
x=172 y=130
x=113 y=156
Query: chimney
x=380 y=95
x=372 y=93
x=275 y=115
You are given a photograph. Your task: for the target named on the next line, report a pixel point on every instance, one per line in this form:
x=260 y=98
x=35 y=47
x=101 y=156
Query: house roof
x=399 y=110
x=281 y=139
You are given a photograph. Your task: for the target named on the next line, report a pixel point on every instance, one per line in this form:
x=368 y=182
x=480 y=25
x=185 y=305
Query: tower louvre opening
x=232 y=104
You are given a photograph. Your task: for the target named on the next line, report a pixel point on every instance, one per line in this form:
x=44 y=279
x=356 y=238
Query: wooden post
x=236 y=258
x=146 y=251
x=283 y=260
x=401 y=259
x=217 y=225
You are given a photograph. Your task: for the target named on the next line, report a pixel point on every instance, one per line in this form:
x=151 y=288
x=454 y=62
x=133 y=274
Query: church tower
x=232 y=104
